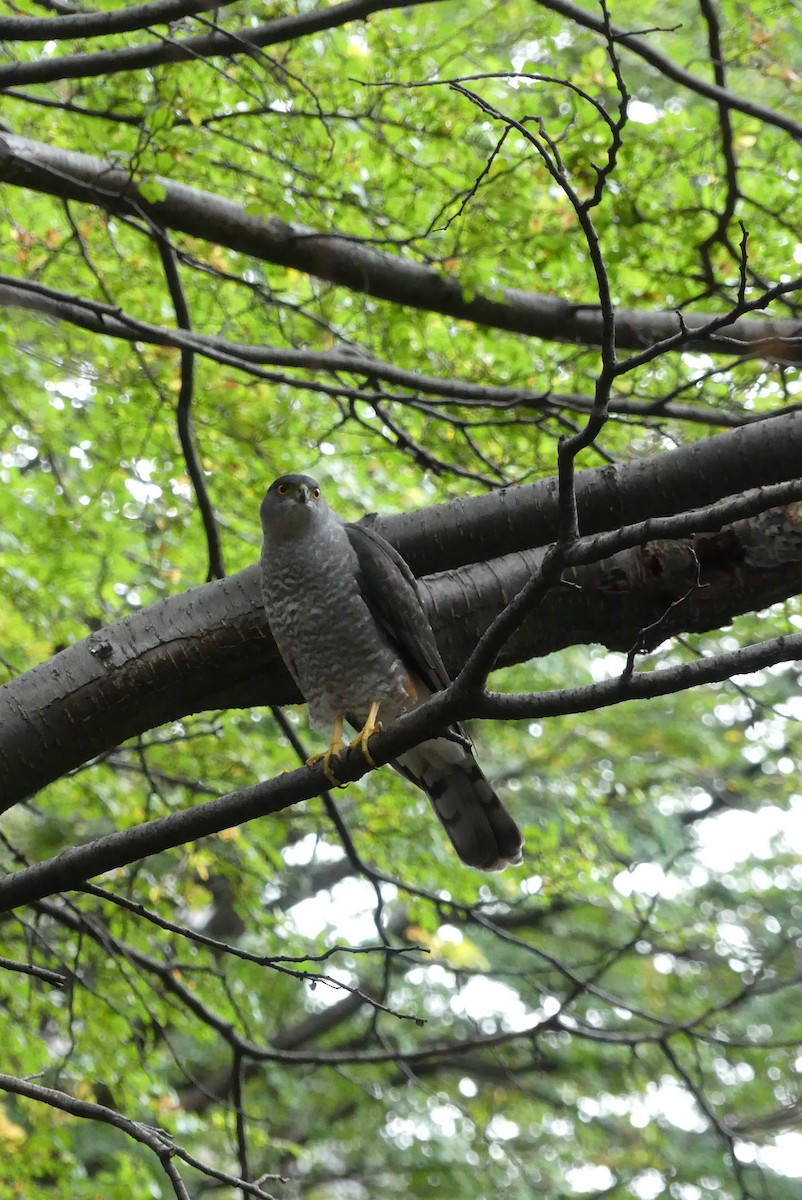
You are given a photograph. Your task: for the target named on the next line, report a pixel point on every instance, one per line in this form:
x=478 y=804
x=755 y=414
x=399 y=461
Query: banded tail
x=481 y=830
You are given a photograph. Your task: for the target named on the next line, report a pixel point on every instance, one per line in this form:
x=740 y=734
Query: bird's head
x=290 y=505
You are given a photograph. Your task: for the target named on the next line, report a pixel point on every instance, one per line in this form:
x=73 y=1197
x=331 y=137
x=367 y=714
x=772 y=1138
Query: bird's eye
x=315 y=493
x=282 y=489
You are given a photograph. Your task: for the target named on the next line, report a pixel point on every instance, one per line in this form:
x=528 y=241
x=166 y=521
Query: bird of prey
x=344 y=609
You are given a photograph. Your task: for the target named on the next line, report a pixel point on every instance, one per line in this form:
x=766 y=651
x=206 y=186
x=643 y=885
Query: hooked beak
x=304 y=495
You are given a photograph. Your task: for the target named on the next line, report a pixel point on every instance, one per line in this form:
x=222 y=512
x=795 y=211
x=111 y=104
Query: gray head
x=292 y=505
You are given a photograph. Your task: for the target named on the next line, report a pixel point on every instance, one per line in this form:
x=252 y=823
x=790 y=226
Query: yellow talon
x=367 y=731
x=336 y=747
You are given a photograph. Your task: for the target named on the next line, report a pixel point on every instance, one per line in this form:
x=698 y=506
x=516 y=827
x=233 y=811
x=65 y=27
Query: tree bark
x=209 y=647
x=349 y=263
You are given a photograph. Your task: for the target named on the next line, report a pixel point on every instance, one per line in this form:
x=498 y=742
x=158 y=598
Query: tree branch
x=72 y=867
x=219 y=44
x=670 y=69
x=216 y=568
x=209 y=647
x=349 y=263
x=103 y=24
x=111 y=321
x=156 y=1140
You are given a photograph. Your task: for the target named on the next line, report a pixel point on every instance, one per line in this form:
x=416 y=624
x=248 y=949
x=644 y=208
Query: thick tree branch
x=218 y=44
x=285 y=29
x=582 y=551
x=352 y=264
x=513 y=519
x=75 y=865
x=209 y=648
x=103 y=24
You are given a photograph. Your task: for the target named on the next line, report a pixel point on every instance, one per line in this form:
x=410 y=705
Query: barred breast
x=338 y=655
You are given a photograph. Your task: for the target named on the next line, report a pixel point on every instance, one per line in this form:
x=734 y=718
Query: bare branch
x=156 y=1140
x=112 y=321
x=103 y=24
x=671 y=70
x=52 y=977
x=184 y=411
x=218 y=44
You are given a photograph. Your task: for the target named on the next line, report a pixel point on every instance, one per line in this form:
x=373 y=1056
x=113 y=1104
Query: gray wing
x=480 y=828
x=391 y=593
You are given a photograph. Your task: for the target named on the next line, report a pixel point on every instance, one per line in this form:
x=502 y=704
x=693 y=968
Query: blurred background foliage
x=620 y=1017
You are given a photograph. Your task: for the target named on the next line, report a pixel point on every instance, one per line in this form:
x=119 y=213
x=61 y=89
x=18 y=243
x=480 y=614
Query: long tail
x=481 y=830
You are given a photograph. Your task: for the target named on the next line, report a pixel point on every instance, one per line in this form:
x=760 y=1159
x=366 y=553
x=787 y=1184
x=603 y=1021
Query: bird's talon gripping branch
x=336 y=747
x=367 y=731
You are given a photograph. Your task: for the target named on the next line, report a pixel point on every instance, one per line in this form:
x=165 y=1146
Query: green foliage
x=619 y=1017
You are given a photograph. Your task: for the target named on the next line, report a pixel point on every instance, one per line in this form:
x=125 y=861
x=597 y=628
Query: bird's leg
x=336 y=747
x=367 y=731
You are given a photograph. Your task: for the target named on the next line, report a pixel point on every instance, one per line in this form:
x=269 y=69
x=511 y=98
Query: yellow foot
x=336 y=747
x=367 y=731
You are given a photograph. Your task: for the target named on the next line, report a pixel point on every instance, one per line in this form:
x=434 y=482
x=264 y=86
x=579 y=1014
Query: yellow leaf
x=463 y=953
x=11 y=1136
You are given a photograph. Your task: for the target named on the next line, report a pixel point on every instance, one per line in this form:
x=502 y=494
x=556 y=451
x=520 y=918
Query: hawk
x=346 y=614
